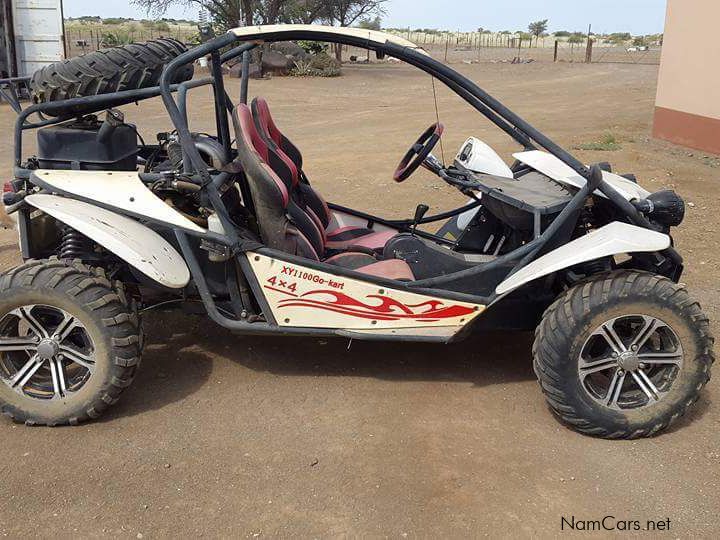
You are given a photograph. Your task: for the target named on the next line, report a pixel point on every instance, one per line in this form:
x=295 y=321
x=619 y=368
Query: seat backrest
x=302 y=192
x=282 y=223
x=261 y=112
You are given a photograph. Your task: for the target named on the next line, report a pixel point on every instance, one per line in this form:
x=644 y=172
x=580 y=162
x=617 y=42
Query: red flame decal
x=388 y=309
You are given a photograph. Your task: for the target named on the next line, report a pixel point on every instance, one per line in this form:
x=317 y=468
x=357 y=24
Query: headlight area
x=666 y=208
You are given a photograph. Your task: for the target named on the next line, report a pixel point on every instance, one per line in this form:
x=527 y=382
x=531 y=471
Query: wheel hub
x=45 y=352
x=628 y=361
x=47 y=348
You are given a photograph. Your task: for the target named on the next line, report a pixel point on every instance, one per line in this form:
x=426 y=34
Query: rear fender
x=134 y=243
x=612 y=239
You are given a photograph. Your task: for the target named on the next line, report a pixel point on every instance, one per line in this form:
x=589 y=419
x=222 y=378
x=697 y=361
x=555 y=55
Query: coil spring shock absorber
x=75 y=245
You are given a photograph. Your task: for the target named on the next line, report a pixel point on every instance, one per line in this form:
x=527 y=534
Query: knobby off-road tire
x=126 y=67
x=577 y=354
x=105 y=336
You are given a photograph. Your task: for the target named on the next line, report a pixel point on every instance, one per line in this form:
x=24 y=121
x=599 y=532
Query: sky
x=634 y=16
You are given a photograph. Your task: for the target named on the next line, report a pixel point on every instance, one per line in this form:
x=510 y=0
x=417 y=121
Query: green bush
x=113 y=39
x=619 y=37
x=607 y=143
x=313 y=47
x=319 y=65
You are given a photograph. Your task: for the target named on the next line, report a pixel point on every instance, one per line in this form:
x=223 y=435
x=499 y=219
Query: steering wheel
x=418 y=152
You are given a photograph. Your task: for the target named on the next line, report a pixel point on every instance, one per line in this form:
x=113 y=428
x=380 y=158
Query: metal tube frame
x=520 y=130
x=90 y=104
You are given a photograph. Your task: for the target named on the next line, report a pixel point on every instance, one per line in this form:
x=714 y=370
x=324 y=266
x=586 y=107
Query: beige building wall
x=687 y=108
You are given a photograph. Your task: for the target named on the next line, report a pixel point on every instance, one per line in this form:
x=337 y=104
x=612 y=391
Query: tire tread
x=117 y=316
x=560 y=317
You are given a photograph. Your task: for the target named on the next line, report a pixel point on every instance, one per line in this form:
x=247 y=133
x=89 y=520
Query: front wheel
x=623 y=355
x=69 y=342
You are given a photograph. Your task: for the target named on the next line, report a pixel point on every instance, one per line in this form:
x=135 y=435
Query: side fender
x=132 y=242
x=611 y=239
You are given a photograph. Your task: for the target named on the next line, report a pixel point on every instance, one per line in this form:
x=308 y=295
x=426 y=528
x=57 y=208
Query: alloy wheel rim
x=630 y=362
x=45 y=352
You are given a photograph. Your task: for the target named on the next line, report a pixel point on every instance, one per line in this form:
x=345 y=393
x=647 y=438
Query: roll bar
x=517 y=128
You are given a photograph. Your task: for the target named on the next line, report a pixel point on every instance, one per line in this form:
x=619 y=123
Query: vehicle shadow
x=181 y=349
x=175 y=365
x=485 y=359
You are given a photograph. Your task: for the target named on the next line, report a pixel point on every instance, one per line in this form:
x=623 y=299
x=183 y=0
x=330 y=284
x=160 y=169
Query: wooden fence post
x=588 y=51
x=556 y=51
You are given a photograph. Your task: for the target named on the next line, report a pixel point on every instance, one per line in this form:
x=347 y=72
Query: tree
x=224 y=13
x=619 y=37
x=346 y=12
x=372 y=24
x=227 y=13
x=303 y=11
x=537 y=28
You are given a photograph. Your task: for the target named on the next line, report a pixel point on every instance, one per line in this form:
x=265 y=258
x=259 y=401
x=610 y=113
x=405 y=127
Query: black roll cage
x=517 y=128
x=520 y=130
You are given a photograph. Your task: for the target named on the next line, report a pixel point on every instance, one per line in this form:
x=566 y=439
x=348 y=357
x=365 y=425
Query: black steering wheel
x=418 y=152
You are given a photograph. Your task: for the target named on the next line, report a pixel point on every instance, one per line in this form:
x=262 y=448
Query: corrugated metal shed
x=32 y=35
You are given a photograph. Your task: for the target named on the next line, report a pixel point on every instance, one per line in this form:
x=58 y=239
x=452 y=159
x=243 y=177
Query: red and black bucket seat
x=285 y=223
x=336 y=237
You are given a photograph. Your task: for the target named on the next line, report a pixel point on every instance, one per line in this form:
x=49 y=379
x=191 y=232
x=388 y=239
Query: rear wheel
x=623 y=355
x=69 y=342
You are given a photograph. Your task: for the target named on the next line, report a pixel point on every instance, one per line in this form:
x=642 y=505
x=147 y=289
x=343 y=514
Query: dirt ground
x=226 y=435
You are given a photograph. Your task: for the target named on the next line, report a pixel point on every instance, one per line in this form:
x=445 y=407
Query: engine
x=91 y=144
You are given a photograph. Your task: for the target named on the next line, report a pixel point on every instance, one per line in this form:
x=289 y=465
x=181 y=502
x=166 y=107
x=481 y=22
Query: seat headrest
x=283 y=166
x=250 y=132
x=263 y=109
x=257 y=106
x=252 y=146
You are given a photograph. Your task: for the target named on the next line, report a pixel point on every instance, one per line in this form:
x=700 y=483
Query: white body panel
x=370 y=35
x=611 y=239
x=38 y=33
x=122 y=190
x=132 y=242
x=304 y=297
x=464 y=219
x=551 y=166
x=477 y=156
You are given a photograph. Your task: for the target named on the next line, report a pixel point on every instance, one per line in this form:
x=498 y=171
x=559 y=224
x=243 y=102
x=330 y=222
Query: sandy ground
x=225 y=435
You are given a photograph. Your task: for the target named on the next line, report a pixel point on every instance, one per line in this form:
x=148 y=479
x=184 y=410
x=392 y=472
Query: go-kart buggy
x=109 y=227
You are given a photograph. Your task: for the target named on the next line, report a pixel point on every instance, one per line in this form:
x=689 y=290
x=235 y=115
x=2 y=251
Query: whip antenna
x=437 y=117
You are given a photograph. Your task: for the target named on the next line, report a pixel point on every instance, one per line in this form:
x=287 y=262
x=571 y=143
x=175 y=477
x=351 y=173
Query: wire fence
x=605 y=53
x=627 y=55
x=449 y=47
x=82 y=40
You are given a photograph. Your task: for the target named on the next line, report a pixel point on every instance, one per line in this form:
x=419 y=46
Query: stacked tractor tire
x=126 y=67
